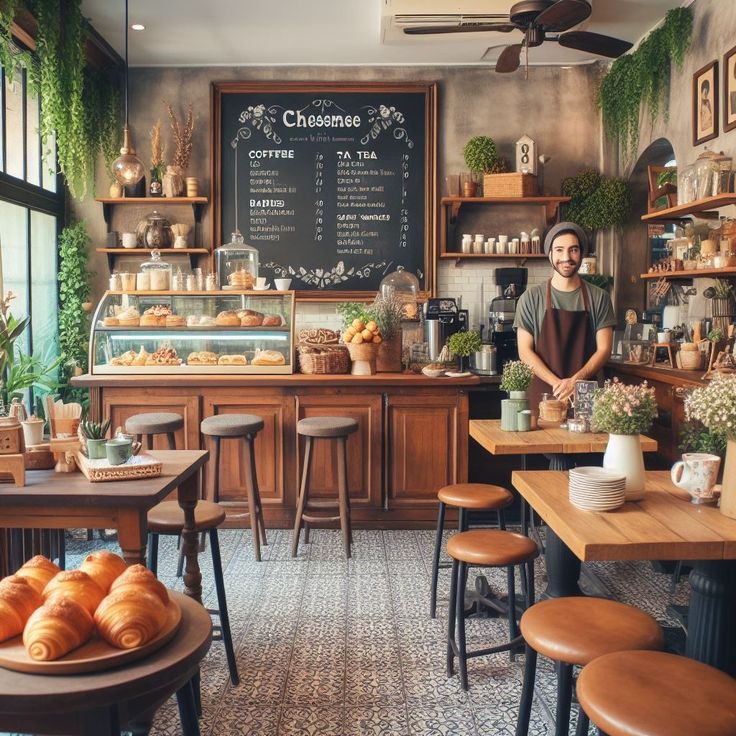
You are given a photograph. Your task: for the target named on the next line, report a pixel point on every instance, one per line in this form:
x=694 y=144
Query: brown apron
x=566 y=342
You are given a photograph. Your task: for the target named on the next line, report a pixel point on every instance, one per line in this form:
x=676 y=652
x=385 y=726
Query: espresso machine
x=442 y=318
x=511 y=284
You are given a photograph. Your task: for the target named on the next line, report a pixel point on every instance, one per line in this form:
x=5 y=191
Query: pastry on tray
x=129 y=317
x=232 y=360
x=175 y=320
x=156 y=316
x=200 y=320
x=56 y=628
x=38 y=571
x=141 y=357
x=202 y=357
x=272 y=320
x=18 y=600
x=251 y=320
x=111 y=321
x=77 y=585
x=164 y=356
x=124 y=359
x=268 y=357
x=228 y=318
x=241 y=279
x=138 y=576
x=103 y=567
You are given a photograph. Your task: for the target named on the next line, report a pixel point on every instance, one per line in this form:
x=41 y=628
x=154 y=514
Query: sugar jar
x=159 y=272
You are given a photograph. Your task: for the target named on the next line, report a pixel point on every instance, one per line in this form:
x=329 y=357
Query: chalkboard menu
x=332 y=183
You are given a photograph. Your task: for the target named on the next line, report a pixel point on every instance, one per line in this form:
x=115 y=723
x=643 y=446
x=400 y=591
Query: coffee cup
x=261 y=282
x=697 y=473
x=33 y=431
x=129 y=240
x=282 y=284
x=118 y=450
x=524 y=421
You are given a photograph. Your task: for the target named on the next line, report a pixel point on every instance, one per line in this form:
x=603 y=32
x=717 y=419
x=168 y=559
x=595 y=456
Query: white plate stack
x=596 y=489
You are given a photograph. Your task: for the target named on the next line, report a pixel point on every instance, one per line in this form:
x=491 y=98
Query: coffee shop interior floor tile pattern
x=329 y=646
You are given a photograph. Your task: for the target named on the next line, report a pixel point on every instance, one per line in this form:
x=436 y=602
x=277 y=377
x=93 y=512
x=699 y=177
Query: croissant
x=38 y=571
x=56 y=628
x=103 y=567
x=76 y=585
x=140 y=576
x=18 y=600
x=130 y=617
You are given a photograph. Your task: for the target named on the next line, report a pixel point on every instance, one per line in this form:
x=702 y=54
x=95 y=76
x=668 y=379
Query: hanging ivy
x=596 y=202
x=642 y=78
x=80 y=108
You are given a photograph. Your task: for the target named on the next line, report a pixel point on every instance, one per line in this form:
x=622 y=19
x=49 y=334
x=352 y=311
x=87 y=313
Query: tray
x=94 y=656
x=139 y=466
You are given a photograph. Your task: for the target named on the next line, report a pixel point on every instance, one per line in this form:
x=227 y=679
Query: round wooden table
x=101 y=703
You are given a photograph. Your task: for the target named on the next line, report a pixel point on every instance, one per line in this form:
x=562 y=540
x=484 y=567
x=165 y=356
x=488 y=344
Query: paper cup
x=282 y=284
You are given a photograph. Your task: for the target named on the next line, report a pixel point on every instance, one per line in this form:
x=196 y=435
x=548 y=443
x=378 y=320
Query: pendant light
x=127 y=168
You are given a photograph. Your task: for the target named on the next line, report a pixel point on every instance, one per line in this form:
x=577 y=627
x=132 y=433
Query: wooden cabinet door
x=427 y=446
x=271 y=449
x=365 y=451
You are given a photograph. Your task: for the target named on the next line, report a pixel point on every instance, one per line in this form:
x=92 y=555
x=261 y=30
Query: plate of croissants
x=102 y=615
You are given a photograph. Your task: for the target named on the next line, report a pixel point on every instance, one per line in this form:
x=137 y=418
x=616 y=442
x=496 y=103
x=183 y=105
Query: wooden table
x=663 y=526
x=52 y=500
x=563 y=567
x=98 y=703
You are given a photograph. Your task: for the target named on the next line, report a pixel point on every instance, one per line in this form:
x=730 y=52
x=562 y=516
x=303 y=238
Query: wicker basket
x=364 y=357
x=322 y=359
x=690 y=360
x=509 y=185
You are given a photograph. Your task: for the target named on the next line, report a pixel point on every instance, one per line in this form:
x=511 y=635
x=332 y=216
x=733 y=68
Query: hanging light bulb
x=127 y=168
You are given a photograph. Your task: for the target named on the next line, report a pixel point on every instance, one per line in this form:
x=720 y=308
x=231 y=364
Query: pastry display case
x=184 y=332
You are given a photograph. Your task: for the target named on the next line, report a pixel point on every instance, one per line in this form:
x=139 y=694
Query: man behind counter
x=565 y=325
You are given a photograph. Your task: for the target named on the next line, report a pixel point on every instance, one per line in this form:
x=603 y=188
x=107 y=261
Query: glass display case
x=216 y=332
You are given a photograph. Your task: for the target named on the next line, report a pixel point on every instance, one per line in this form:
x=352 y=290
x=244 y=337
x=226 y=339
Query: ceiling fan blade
x=467 y=28
x=563 y=14
x=594 y=43
x=509 y=59
x=490 y=49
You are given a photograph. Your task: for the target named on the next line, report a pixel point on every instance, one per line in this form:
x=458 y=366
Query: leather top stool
x=324 y=428
x=465 y=497
x=574 y=631
x=658 y=694
x=242 y=427
x=486 y=548
x=145 y=426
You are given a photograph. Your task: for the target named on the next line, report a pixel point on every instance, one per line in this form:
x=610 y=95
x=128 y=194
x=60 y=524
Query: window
x=31 y=209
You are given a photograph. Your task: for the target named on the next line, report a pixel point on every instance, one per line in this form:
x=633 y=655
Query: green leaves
x=480 y=154
x=597 y=202
x=464 y=343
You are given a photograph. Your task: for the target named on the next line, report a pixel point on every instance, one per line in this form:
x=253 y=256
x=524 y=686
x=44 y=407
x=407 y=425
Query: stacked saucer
x=596 y=489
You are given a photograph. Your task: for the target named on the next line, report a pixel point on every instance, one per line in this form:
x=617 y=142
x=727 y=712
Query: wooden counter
x=412 y=437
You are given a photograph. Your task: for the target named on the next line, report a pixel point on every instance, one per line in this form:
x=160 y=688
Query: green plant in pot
x=481 y=157
x=516 y=379
x=388 y=311
x=94 y=434
x=463 y=344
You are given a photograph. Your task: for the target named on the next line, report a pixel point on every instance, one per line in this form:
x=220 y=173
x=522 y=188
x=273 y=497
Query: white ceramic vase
x=624 y=455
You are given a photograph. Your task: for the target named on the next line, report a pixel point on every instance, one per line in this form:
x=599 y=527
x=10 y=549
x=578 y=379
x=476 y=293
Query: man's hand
x=564 y=388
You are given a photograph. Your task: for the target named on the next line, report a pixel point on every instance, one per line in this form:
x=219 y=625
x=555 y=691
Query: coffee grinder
x=511 y=284
x=442 y=318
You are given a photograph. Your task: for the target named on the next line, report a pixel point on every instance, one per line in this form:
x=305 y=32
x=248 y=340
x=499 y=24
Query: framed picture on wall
x=729 y=90
x=705 y=103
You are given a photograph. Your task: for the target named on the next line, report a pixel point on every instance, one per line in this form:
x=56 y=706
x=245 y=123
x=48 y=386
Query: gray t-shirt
x=532 y=306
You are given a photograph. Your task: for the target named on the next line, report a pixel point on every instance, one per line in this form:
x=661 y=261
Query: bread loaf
x=56 y=628
x=103 y=567
x=77 y=586
x=130 y=617
x=38 y=571
x=18 y=600
x=320 y=335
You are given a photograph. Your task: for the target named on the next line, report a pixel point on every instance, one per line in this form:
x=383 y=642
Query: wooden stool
x=146 y=426
x=574 y=631
x=662 y=346
x=328 y=428
x=485 y=548
x=465 y=497
x=242 y=427
x=168 y=518
x=632 y=693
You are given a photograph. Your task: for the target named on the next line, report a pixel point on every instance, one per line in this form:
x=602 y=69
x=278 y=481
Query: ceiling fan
x=539 y=21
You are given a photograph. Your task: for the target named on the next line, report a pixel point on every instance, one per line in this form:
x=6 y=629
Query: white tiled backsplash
x=476 y=284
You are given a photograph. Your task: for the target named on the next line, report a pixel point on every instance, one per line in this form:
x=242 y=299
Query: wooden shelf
x=550 y=204
x=489 y=256
x=151 y=200
x=112 y=253
x=698 y=273
x=702 y=208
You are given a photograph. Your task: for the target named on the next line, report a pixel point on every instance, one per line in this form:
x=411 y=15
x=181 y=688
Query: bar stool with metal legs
x=658 y=694
x=486 y=548
x=574 y=631
x=243 y=427
x=333 y=429
x=465 y=497
x=146 y=426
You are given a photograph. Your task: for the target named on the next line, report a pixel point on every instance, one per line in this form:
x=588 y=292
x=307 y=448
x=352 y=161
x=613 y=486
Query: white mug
x=129 y=240
x=696 y=473
x=282 y=284
x=261 y=282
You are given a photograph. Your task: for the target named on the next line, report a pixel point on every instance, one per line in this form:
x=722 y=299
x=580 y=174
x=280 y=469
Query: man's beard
x=576 y=267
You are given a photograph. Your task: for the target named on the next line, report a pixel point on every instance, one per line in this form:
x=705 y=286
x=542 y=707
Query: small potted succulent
x=516 y=379
x=94 y=437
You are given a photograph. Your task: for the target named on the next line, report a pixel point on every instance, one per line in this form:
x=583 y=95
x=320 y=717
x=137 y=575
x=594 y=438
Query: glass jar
x=685 y=185
x=236 y=264
x=712 y=174
x=159 y=272
x=155 y=231
x=405 y=286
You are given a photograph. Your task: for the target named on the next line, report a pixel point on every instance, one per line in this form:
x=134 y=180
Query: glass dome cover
x=236 y=263
x=405 y=286
x=159 y=272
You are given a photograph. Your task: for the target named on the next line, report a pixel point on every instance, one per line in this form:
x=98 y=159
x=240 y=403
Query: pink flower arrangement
x=620 y=408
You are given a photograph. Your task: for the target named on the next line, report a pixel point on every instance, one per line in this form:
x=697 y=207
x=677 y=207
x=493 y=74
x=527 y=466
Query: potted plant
x=362 y=336
x=463 y=344
x=388 y=312
x=516 y=379
x=714 y=406
x=94 y=434
x=481 y=157
x=624 y=411
x=158 y=168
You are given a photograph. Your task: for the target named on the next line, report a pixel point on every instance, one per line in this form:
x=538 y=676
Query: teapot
x=696 y=473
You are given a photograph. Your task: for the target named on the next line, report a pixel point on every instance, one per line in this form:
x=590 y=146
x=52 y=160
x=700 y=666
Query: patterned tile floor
x=328 y=646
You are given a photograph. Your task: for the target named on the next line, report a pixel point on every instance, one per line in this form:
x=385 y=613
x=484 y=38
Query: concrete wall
x=556 y=107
